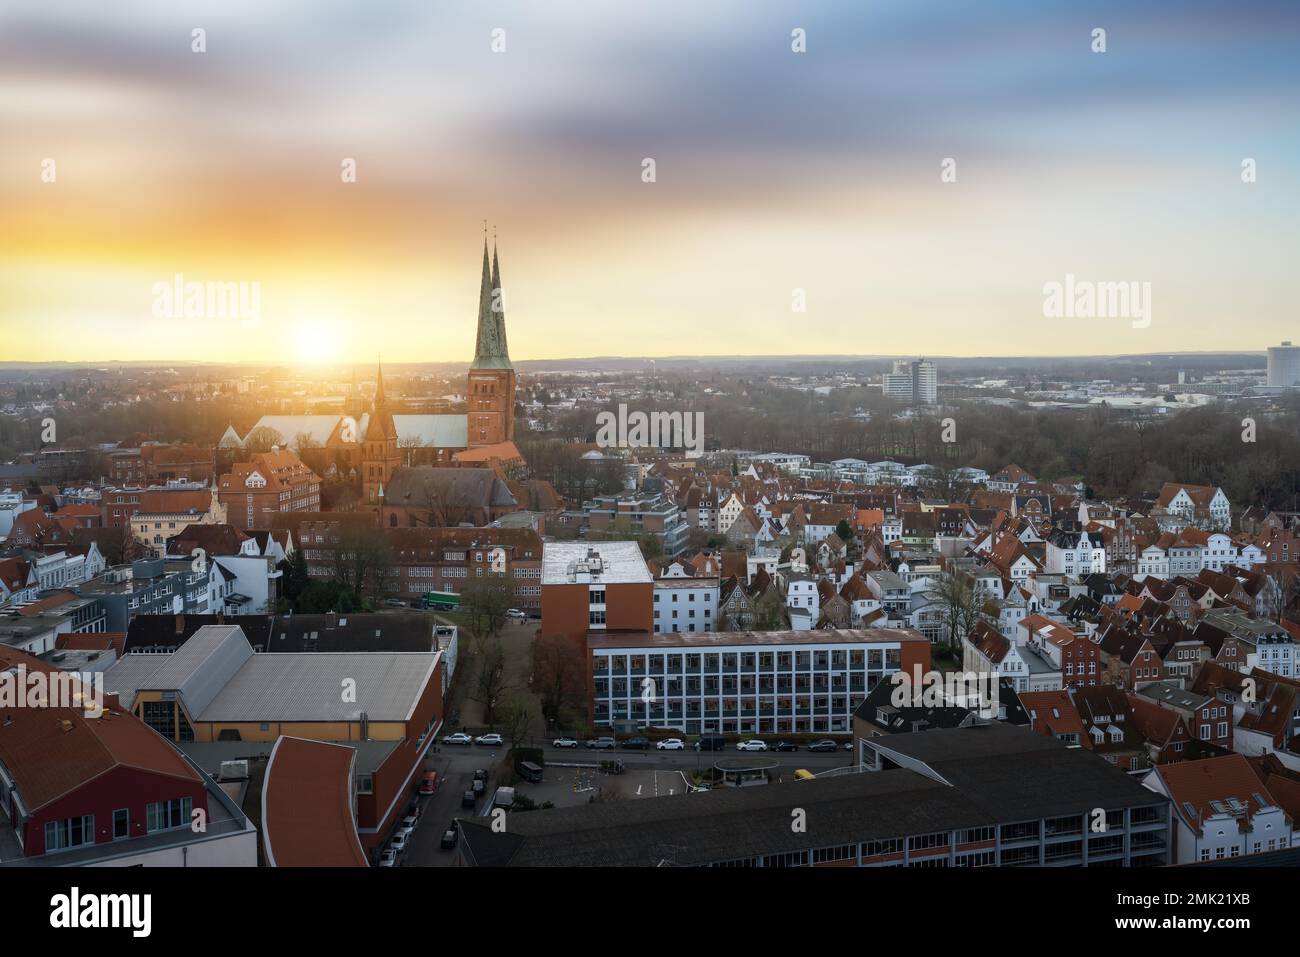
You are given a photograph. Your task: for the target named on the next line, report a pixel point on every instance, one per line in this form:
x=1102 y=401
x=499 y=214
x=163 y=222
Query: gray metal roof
x=201 y=667
x=434 y=431
x=309 y=687
x=129 y=673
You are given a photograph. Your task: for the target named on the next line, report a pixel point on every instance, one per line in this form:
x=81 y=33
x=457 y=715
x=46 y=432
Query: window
x=924 y=841
x=844 y=852
x=70 y=832
x=975 y=835
x=121 y=824
x=167 y=815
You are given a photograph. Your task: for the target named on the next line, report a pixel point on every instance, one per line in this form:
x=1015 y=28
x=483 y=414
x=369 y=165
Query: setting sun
x=317 y=340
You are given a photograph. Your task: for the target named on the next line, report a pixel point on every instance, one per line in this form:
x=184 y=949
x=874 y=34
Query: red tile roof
x=52 y=752
x=307 y=806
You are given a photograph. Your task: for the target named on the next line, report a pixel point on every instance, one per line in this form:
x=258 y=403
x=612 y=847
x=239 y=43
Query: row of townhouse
x=1192 y=550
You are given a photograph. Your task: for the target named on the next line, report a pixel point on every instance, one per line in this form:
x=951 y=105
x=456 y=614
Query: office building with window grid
x=745 y=682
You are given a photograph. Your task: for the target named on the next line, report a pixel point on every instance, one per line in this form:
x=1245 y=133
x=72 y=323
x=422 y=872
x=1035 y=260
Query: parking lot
x=567 y=787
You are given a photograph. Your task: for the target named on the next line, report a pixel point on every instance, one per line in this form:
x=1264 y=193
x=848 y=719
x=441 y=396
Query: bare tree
x=491 y=683
x=557 y=675
x=363 y=560
x=485 y=602
x=514 y=719
x=962 y=609
x=261 y=439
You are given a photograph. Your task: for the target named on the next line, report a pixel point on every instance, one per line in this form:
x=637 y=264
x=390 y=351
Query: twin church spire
x=490 y=349
x=490 y=390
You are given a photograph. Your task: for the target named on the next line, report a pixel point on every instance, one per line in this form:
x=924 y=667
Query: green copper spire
x=490 y=350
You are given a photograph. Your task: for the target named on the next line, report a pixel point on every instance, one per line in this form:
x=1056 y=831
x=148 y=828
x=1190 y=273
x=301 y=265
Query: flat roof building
x=744 y=682
x=993 y=795
x=590 y=587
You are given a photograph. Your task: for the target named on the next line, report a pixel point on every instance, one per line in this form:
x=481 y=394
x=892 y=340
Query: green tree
x=294 y=575
x=769 y=611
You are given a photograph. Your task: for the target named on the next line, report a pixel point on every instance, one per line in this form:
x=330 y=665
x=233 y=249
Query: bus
x=441 y=600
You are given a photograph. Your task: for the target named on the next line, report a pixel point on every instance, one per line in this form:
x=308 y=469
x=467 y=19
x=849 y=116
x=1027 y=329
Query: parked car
x=448 y=838
x=388 y=858
x=409 y=822
x=754 y=745
x=564 y=743
x=469 y=798
x=504 y=798
x=823 y=745
x=671 y=744
x=491 y=740
x=848 y=745
x=458 y=738
x=711 y=742
x=400 y=841
x=600 y=744
x=480 y=774
x=478 y=787
x=429 y=783
x=786 y=746
x=637 y=744
x=516 y=614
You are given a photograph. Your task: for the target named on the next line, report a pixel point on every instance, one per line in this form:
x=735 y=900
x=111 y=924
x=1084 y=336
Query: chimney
x=180 y=624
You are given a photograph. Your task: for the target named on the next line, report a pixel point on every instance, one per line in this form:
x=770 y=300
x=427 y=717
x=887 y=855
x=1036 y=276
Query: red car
x=429 y=782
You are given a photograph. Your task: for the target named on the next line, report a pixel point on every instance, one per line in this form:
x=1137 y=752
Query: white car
x=400 y=841
x=458 y=738
x=516 y=614
x=752 y=746
x=671 y=744
x=564 y=743
x=492 y=740
x=388 y=858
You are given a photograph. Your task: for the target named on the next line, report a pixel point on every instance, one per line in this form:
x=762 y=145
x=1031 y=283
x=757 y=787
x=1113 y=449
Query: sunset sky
x=776 y=171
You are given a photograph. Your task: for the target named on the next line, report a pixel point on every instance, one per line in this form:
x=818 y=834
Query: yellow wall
x=312 y=730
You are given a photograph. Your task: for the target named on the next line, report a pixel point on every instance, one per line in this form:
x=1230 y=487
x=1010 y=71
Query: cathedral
x=387 y=449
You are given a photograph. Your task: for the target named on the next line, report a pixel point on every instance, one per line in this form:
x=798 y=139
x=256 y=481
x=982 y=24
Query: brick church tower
x=379 y=454
x=490 y=388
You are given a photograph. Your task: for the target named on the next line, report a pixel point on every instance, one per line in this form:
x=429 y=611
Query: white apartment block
x=801 y=592
x=1244 y=820
x=1075 y=554
x=683 y=603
